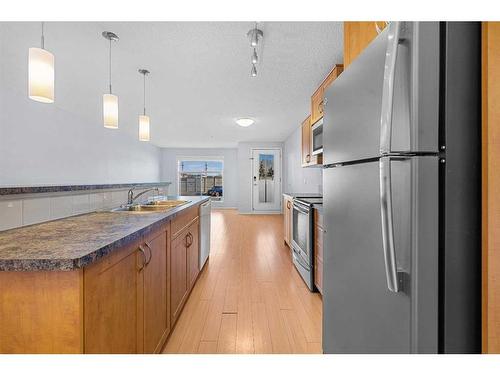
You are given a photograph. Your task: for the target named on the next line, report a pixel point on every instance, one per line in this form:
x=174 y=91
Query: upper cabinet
x=357 y=35
x=318 y=98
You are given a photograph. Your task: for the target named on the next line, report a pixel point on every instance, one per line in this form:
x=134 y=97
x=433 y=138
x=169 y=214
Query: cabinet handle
x=150 y=253
x=320 y=106
x=186 y=241
x=190 y=237
x=288 y=205
x=143 y=258
x=308 y=158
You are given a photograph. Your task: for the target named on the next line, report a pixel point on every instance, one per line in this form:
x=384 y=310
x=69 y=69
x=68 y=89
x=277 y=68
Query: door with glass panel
x=266 y=179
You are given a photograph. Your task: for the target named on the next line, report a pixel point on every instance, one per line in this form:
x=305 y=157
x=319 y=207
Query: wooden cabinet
x=178 y=276
x=126 y=299
x=156 y=294
x=287 y=219
x=318 y=249
x=184 y=259
x=193 y=253
x=318 y=98
x=357 y=35
x=125 y=302
x=112 y=303
x=306 y=141
x=317 y=109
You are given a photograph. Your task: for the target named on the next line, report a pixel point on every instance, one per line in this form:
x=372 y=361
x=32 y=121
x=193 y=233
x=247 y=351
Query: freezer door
x=363 y=312
x=387 y=100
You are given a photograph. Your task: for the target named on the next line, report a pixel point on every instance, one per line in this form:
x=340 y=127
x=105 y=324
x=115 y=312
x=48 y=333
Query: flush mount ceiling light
x=110 y=101
x=143 y=119
x=245 y=121
x=41 y=73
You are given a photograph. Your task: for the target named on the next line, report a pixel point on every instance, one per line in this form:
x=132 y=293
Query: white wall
x=296 y=178
x=63 y=142
x=230 y=157
x=245 y=172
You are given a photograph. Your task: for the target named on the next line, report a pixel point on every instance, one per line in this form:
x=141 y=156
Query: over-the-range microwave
x=317 y=137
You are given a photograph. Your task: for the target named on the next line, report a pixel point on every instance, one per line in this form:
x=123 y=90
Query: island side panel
x=41 y=312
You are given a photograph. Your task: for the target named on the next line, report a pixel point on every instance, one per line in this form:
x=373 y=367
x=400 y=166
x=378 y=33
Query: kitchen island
x=103 y=282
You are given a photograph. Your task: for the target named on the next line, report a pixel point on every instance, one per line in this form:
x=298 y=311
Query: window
x=201 y=176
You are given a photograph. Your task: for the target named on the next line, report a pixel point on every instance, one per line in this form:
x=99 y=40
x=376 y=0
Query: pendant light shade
x=253 y=72
x=110 y=111
x=255 y=58
x=41 y=74
x=144 y=128
x=110 y=101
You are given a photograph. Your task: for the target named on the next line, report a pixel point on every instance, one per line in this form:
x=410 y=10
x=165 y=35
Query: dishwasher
x=205 y=211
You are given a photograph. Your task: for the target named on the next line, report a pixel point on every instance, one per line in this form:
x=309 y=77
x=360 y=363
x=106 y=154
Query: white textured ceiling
x=200 y=75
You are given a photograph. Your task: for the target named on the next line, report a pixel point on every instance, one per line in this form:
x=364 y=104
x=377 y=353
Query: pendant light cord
x=110 y=66
x=43 y=37
x=144 y=94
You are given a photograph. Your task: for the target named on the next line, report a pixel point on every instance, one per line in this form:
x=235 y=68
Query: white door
x=266 y=179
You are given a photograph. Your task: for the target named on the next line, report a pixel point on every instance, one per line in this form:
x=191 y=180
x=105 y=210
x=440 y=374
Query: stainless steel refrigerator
x=402 y=194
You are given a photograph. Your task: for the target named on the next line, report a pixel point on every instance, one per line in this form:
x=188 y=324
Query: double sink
x=153 y=206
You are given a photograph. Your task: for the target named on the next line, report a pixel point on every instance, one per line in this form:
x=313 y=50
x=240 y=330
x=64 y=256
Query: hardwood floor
x=249 y=298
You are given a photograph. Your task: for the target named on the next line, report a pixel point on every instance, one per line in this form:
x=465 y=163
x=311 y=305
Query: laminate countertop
x=77 y=241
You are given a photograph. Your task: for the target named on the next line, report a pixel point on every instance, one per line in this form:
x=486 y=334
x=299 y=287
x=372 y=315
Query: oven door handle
x=296 y=256
x=300 y=209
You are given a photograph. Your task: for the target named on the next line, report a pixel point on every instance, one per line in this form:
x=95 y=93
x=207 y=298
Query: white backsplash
x=27 y=211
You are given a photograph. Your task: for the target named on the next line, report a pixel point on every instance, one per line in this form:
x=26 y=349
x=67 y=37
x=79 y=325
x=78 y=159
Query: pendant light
x=41 y=73
x=255 y=58
x=143 y=119
x=253 y=72
x=110 y=101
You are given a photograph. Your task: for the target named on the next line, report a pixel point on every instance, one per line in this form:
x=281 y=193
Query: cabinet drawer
x=183 y=219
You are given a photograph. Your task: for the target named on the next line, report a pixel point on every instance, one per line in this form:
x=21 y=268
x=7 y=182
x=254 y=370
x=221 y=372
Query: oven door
x=301 y=231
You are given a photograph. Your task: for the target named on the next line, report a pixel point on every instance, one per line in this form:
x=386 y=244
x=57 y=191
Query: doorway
x=266 y=180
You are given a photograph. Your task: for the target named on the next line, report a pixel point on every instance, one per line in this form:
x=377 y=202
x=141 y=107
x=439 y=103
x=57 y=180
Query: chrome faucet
x=132 y=198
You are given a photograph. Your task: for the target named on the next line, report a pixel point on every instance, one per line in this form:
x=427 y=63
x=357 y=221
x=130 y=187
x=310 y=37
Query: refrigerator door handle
x=387 y=224
x=388 y=87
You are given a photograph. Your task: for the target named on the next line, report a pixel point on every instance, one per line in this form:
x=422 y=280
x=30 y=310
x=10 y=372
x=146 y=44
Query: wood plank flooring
x=249 y=298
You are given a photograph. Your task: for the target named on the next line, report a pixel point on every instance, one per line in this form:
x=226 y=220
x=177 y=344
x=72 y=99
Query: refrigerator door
x=387 y=100
x=369 y=306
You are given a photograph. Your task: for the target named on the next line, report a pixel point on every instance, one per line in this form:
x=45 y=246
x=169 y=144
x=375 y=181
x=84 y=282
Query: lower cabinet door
x=193 y=252
x=111 y=299
x=178 y=275
x=156 y=317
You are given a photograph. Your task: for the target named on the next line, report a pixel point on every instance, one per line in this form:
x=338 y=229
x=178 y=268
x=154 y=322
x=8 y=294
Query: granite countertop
x=77 y=241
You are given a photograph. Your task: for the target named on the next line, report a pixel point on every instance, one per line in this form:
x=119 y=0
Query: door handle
x=388 y=224
x=296 y=256
x=388 y=87
x=143 y=257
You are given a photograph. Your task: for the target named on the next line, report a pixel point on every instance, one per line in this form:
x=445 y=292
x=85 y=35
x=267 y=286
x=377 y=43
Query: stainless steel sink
x=154 y=206
x=167 y=203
